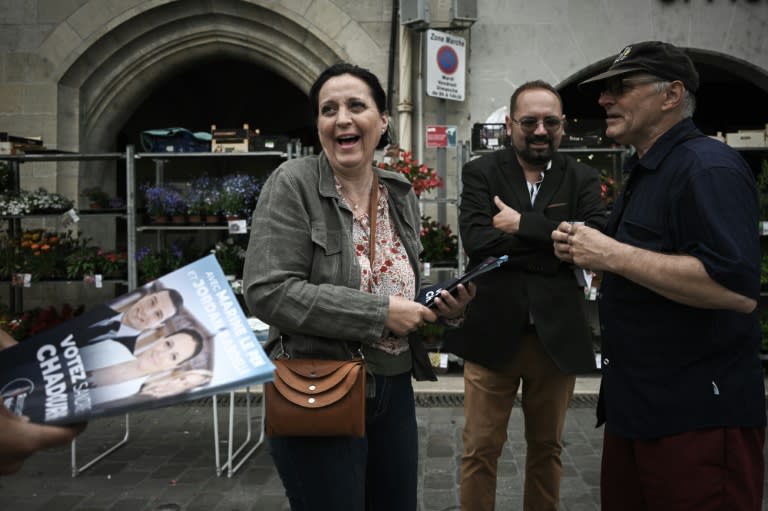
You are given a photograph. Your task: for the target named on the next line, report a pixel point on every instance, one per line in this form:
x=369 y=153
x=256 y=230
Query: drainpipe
x=405 y=104
x=392 y=48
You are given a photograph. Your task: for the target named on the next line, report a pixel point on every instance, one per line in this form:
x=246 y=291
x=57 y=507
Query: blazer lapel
x=513 y=175
x=552 y=179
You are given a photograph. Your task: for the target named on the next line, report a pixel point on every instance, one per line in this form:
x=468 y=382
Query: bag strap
x=372 y=208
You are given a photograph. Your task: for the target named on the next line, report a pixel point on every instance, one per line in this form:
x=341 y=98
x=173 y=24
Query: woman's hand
x=452 y=307
x=405 y=316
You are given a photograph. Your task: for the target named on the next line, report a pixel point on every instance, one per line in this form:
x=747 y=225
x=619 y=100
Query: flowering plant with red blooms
x=439 y=242
x=422 y=178
x=607 y=187
x=37 y=320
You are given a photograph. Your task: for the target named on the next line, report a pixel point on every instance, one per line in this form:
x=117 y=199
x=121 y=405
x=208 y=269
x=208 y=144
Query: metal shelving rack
x=236 y=455
x=130 y=157
x=15 y=229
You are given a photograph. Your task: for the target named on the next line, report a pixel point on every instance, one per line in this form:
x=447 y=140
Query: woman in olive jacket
x=308 y=274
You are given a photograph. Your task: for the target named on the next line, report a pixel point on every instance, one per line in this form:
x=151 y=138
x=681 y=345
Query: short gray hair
x=689 y=100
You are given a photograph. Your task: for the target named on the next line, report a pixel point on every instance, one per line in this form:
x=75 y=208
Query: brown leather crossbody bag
x=313 y=397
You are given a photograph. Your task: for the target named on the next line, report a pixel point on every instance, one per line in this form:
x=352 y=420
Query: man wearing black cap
x=682 y=394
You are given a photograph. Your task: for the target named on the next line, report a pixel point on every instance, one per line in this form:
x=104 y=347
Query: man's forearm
x=681 y=278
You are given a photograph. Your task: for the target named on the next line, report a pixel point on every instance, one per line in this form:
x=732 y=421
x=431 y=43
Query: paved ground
x=169 y=463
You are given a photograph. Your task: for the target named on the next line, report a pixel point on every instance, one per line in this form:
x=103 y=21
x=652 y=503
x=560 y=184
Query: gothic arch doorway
x=108 y=82
x=226 y=92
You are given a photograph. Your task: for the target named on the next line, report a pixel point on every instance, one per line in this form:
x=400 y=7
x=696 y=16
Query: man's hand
x=585 y=247
x=507 y=219
x=19 y=438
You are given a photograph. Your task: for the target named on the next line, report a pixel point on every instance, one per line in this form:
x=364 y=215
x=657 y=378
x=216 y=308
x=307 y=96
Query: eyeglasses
x=621 y=86
x=529 y=124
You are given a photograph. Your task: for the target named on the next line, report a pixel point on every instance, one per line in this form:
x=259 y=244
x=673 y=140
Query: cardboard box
x=269 y=143
x=746 y=138
x=719 y=136
x=12 y=144
x=233 y=140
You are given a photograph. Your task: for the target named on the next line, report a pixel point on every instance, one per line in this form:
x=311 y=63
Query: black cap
x=655 y=57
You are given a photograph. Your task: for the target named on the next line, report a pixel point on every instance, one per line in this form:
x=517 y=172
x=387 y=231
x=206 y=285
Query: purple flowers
x=239 y=193
x=163 y=200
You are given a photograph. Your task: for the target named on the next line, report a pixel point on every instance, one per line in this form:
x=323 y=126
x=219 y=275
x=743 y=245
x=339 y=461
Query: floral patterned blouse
x=392 y=273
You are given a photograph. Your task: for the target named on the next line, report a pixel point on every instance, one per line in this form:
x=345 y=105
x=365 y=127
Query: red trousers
x=709 y=470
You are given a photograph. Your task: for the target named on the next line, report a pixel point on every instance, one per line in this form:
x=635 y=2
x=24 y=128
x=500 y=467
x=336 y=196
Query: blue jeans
x=376 y=472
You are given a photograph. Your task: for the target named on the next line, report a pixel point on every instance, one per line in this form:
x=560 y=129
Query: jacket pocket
x=329 y=241
x=326 y=255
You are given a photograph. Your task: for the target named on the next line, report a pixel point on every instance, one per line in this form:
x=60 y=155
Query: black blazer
x=533 y=280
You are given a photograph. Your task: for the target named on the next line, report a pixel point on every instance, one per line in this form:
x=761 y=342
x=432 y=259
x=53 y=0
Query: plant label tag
x=438 y=359
x=427 y=269
x=237 y=226
x=98 y=280
x=70 y=217
x=764 y=228
x=21 y=280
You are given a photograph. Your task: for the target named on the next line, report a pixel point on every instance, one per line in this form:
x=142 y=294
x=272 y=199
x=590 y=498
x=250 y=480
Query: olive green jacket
x=301 y=273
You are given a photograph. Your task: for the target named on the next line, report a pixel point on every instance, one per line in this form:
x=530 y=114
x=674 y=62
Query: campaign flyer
x=177 y=338
x=428 y=294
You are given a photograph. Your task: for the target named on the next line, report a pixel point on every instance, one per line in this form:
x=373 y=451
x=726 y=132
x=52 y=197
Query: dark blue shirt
x=669 y=367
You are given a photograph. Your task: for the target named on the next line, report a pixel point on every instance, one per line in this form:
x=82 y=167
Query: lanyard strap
x=372 y=208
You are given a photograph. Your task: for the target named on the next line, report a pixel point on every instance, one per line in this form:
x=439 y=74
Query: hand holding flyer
x=428 y=294
x=180 y=337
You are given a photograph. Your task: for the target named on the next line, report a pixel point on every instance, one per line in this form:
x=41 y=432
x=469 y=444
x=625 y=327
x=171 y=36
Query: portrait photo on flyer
x=180 y=337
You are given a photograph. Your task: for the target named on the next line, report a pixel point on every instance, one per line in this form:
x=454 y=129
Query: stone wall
x=73 y=70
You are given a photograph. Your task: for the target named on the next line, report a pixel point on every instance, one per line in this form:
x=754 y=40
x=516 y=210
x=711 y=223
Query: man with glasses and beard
x=682 y=393
x=528 y=322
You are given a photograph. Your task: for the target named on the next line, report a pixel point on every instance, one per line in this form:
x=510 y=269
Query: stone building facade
x=74 y=71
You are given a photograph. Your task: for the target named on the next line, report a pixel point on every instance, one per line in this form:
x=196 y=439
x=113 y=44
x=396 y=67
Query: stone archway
x=102 y=87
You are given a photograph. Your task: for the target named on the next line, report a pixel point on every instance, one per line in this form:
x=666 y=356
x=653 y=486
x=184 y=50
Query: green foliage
x=440 y=244
x=762 y=189
x=764 y=332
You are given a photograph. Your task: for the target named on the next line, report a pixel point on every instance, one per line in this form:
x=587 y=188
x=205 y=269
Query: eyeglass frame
x=627 y=84
x=530 y=128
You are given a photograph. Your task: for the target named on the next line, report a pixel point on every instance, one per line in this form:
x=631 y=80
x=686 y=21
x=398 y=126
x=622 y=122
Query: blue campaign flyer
x=180 y=337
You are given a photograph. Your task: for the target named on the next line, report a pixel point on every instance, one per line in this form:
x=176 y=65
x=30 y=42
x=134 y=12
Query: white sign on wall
x=445 y=65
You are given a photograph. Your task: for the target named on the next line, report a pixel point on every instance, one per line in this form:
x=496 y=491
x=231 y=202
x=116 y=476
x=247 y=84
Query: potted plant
x=238 y=196
x=97 y=198
x=42 y=201
x=762 y=190
x=163 y=202
x=441 y=246
x=231 y=256
x=607 y=187
x=82 y=262
x=15 y=204
x=151 y=264
x=43 y=254
x=39 y=201
x=34 y=321
x=202 y=200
